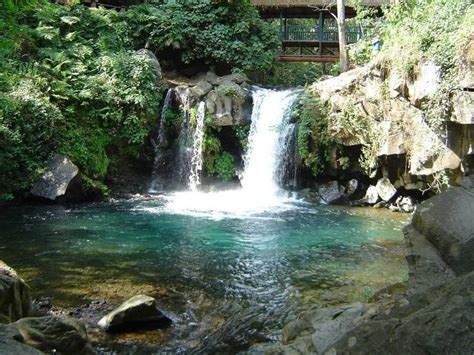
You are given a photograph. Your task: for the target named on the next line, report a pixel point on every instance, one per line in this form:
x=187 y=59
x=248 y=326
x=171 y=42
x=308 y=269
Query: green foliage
x=73 y=84
x=216 y=161
x=314 y=139
x=224 y=167
x=242 y=134
x=203 y=31
x=434 y=29
x=284 y=74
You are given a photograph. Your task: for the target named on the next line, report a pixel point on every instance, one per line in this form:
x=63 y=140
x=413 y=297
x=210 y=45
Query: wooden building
x=308 y=30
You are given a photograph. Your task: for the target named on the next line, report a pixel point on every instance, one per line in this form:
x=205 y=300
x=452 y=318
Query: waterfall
x=159 y=166
x=178 y=159
x=268 y=141
x=270 y=137
x=162 y=136
x=196 y=157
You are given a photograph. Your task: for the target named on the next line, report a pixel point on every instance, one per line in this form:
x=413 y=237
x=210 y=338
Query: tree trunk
x=341 y=27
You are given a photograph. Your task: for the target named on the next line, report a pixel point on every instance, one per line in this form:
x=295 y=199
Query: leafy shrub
x=224 y=167
x=314 y=139
x=230 y=33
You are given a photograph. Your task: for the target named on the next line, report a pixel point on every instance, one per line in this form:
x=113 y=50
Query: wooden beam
x=314 y=59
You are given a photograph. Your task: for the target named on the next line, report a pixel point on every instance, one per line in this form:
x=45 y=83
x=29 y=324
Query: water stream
x=196 y=157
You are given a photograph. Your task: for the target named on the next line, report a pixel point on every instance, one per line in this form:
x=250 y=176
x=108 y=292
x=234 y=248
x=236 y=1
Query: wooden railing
x=299 y=33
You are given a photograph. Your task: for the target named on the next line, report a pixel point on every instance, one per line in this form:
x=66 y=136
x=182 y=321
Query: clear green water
x=227 y=283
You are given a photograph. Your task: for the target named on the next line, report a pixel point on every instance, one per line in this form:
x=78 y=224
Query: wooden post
x=321 y=32
x=341 y=27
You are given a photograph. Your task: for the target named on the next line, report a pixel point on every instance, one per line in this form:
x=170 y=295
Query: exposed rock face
x=228 y=98
x=55 y=181
x=380 y=108
x=446 y=220
x=15 y=301
x=426 y=83
x=464 y=108
x=139 y=310
x=50 y=334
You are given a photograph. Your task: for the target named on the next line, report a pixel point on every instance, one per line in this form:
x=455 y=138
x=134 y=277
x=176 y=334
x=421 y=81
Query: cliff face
x=390 y=114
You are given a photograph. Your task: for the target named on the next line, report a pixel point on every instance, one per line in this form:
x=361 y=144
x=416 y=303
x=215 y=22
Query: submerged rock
x=11 y=342
x=53 y=334
x=138 y=311
x=15 y=300
x=55 y=181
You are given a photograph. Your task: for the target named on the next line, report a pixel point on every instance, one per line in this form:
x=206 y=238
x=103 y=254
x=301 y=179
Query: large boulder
x=138 y=311
x=426 y=84
x=15 y=300
x=331 y=193
x=228 y=104
x=60 y=171
x=426 y=267
x=438 y=321
x=463 y=104
x=12 y=342
x=371 y=195
x=385 y=189
x=53 y=334
x=446 y=220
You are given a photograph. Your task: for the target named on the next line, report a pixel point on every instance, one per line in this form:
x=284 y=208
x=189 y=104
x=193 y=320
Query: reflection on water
x=227 y=282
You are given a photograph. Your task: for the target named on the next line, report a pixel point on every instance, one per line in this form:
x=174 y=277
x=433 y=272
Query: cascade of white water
x=196 y=157
x=267 y=148
x=268 y=140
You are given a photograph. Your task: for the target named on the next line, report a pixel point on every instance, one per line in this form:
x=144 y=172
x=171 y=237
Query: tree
x=341 y=27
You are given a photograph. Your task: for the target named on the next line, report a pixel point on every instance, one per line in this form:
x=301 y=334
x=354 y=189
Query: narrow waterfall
x=268 y=141
x=178 y=158
x=159 y=166
x=183 y=158
x=162 y=136
x=196 y=157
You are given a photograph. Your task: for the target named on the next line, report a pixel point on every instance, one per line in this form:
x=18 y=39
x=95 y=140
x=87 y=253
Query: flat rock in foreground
x=137 y=312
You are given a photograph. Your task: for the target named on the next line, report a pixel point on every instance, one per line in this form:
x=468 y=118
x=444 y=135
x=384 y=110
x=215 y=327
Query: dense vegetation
x=74 y=81
x=411 y=32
